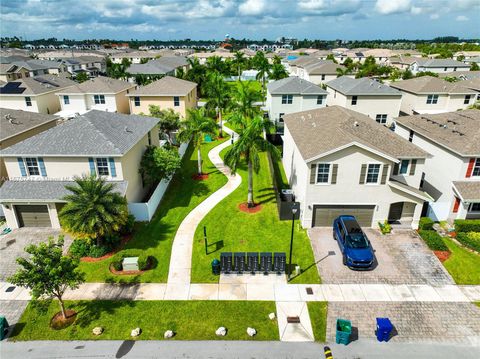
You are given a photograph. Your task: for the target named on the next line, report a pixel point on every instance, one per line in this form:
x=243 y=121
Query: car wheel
x=334 y=237
x=344 y=260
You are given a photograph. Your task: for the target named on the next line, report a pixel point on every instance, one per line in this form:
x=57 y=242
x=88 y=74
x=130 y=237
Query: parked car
x=356 y=248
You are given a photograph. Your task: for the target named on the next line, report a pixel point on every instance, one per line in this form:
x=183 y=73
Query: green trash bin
x=216 y=267
x=344 y=331
x=208 y=138
x=3 y=327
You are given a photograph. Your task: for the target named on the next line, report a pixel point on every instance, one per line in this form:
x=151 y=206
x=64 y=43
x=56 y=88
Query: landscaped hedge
x=470 y=239
x=433 y=240
x=143 y=259
x=426 y=223
x=84 y=248
x=467 y=225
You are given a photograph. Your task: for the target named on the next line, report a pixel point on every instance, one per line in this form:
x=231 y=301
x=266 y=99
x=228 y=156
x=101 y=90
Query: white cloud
x=387 y=7
x=312 y=4
x=434 y=16
x=461 y=18
x=416 y=10
x=252 y=7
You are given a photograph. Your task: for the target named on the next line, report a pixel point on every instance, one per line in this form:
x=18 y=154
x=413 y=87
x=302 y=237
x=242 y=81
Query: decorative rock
x=135 y=332
x=97 y=330
x=221 y=332
x=251 y=331
x=168 y=334
x=271 y=316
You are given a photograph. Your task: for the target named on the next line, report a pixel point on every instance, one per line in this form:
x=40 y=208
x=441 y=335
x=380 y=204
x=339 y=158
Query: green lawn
x=256 y=85
x=230 y=230
x=190 y=320
x=156 y=237
x=318 y=317
x=463 y=266
x=279 y=171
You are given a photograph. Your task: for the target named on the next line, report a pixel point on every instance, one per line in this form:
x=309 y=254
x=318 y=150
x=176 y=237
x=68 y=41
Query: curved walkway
x=181 y=257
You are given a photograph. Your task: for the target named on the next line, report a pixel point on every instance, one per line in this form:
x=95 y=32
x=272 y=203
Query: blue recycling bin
x=384 y=329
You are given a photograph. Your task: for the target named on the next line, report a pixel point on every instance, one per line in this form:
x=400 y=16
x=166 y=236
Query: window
x=410 y=136
x=99 y=99
x=136 y=99
x=28 y=101
x=354 y=100
x=66 y=100
x=432 y=99
x=404 y=167
x=467 y=99
x=319 y=100
x=381 y=118
x=476 y=168
x=149 y=135
x=287 y=99
x=445 y=69
x=176 y=101
x=474 y=207
x=102 y=166
x=32 y=166
x=280 y=117
x=323 y=170
x=372 y=173
x=323 y=77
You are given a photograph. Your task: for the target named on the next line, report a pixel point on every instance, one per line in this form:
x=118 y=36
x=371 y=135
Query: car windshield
x=357 y=240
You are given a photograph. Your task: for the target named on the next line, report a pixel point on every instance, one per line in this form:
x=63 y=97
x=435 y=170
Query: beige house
x=12 y=72
x=320 y=72
x=340 y=162
x=167 y=93
x=100 y=143
x=34 y=94
x=99 y=93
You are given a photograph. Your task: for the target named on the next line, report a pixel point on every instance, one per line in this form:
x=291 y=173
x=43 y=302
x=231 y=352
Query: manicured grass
x=190 y=320
x=156 y=237
x=256 y=85
x=231 y=230
x=279 y=172
x=463 y=266
x=318 y=317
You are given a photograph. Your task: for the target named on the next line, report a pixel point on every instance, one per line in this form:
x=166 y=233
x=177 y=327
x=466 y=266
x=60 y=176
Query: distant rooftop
x=295 y=86
x=99 y=85
x=14 y=122
x=430 y=85
x=36 y=85
x=166 y=86
x=363 y=86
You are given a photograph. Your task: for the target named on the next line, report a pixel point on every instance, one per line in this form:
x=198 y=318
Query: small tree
x=169 y=121
x=474 y=67
x=48 y=272
x=81 y=77
x=158 y=163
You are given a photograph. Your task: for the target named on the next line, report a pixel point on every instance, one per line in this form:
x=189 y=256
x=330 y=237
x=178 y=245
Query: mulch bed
x=58 y=322
x=108 y=255
x=255 y=209
x=442 y=255
x=201 y=177
x=124 y=272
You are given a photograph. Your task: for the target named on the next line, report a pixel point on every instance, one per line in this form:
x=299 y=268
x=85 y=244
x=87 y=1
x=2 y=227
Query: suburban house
x=17 y=125
x=92 y=65
x=338 y=161
x=319 y=72
x=12 y=72
x=429 y=94
x=437 y=65
x=166 y=65
x=100 y=143
x=466 y=54
x=168 y=92
x=99 y=93
x=135 y=57
x=452 y=174
x=34 y=94
x=370 y=97
x=290 y=95
x=300 y=62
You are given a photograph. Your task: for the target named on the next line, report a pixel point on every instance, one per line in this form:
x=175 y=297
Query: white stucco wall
x=300 y=103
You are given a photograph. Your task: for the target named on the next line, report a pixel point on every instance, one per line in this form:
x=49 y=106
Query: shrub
x=79 y=248
x=128 y=227
x=433 y=240
x=96 y=251
x=426 y=224
x=117 y=265
x=470 y=239
x=385 y=227
x=143 y=262
x=467 y=225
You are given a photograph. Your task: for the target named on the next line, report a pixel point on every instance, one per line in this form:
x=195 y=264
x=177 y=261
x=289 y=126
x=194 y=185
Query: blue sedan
x=354 y=244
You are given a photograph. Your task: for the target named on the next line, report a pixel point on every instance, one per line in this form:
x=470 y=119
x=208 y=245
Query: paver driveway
x=401 y=258
x=12 y=246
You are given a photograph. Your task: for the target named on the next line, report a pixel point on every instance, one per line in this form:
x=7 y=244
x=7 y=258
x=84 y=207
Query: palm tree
x=93 y=210
x=278 y=72
x=263 y=67
x=242 y=105
x=215 y=63
x=196 y=72
x=239 y=60
x=195 y=127
x=249 y=144
x=218 y=95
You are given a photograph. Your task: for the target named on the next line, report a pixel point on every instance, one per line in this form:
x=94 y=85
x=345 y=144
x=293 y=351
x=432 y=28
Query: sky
x=252 y=19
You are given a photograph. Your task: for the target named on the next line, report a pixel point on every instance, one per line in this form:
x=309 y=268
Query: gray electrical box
x=130 y=263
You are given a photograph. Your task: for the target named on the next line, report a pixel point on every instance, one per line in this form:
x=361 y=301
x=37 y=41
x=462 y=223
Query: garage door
x=324 y=215
x=33 y=216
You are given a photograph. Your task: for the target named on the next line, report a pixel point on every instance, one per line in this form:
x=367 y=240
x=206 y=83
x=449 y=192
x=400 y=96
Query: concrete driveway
x=12 y=246
x=401 y=258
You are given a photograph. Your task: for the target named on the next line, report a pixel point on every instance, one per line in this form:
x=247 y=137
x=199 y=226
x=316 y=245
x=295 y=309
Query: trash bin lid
x=215 y=261
x=384 y=323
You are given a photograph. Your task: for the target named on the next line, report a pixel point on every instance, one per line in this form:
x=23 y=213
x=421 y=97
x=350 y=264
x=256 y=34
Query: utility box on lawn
x=130 y=263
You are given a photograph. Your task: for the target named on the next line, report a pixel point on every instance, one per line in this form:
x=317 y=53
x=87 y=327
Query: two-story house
x=427 y=94
x=437 y=65
x=452 y=174
x=99 y=93
x=372 y=98
x=320 y=72
x=292 y=94
x=165 y=65
x=97 y=143
x=340 y=162
x=34 y=94
x=167 y=93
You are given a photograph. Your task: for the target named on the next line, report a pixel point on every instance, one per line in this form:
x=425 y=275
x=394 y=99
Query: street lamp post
x=294 y=211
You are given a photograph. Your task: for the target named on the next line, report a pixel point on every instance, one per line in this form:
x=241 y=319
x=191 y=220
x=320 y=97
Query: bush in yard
x=85 y=248
x=467 y=225
x=128 y=227
x=385 y=227
x=426 y=223
x=470 y=239
x=433 y=240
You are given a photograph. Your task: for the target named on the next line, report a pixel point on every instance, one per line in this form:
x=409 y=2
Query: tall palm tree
x=218 y=95
x=263 y=67
x=195 y=127
x=196 y=72
x=239 y=60
x=278 y=72
x=242 y=105
x=93 y=210
x=215 y=63
x=248 y=146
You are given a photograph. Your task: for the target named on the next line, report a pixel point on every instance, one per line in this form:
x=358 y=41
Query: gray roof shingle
x=364 y=86
x=468 y=190
x=95 y=133
x=37 y=85
x=21 y=121
x=294 y=86
x=160 y=66
x=430 y=85
x=99 y=85
x=166 y=86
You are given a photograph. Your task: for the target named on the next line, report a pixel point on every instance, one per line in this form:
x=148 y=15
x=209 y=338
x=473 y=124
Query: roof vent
x=10 y=119
x=126 y=129
x=356 y=124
